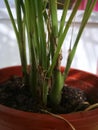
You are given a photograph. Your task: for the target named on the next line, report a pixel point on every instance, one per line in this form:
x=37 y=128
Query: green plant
x=37 y=28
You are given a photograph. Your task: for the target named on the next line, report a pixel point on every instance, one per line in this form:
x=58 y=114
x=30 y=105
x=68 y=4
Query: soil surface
x=15 y=94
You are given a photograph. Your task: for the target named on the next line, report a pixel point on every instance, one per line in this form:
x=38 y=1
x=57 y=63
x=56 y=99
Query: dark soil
x=15 y=94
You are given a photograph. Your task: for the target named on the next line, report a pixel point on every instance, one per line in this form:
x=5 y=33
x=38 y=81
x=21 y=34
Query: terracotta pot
x=11 y=119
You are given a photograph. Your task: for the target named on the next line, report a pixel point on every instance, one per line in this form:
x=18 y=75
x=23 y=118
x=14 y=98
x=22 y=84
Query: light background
x=87 y=53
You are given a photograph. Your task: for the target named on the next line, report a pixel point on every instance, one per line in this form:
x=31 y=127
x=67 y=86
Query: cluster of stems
x=37 y=28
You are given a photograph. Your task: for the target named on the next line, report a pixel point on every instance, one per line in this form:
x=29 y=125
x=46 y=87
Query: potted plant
x=37 y=28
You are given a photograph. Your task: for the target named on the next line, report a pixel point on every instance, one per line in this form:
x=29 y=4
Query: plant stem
x=21 y=39
x=20 y=35
x=31 y=42
x=86 y=16
x=62 y=37
x=55 y=95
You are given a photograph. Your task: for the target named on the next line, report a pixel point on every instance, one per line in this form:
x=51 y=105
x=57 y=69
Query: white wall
x=86 y=55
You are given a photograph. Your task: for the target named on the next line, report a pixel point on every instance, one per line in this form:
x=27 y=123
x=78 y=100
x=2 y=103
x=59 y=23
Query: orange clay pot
x=11 y=119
